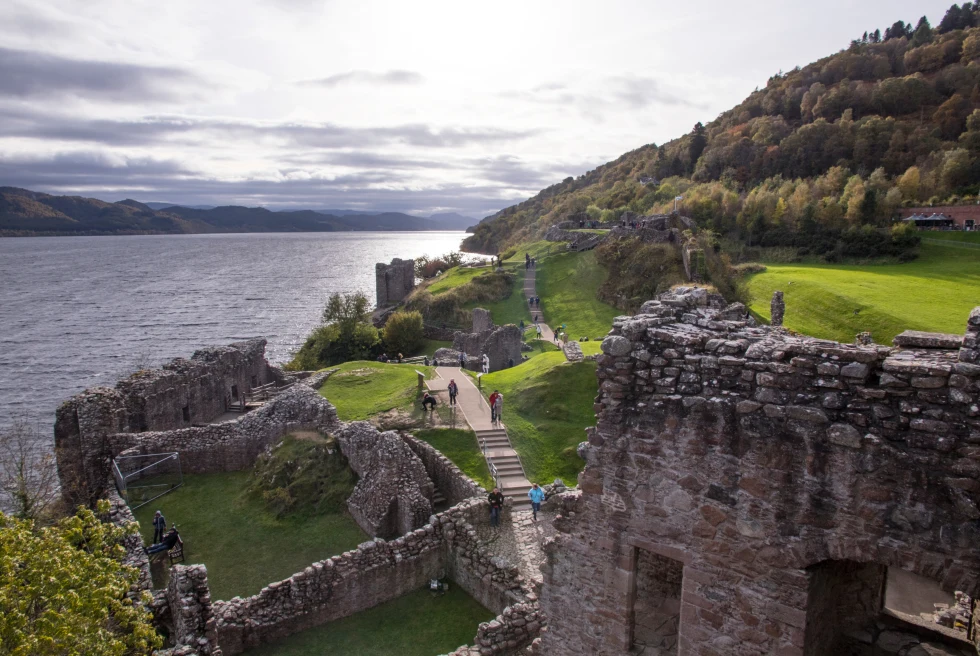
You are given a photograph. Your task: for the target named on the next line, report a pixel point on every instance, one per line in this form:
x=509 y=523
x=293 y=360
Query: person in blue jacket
x=536 y=495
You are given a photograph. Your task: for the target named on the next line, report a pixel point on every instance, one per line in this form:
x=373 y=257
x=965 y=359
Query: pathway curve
x=493 y=439
x=530 y=289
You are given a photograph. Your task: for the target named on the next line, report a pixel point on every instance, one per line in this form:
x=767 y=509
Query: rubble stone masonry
x=779 y=475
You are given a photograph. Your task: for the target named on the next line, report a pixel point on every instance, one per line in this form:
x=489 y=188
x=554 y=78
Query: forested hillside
x=817 y=160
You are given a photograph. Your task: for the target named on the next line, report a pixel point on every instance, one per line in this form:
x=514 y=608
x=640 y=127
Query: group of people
x=384 y=358
x=529 y=262
x=534 y=301
x=496 y=407
x=162 y=541
x=496 y=501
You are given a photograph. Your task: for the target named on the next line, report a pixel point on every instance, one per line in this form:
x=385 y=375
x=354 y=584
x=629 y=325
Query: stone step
x=509 y=469
x=496 y=442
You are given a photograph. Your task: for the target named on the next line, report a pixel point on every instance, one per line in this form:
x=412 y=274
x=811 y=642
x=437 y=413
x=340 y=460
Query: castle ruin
x=747 y=490
x=394 y=281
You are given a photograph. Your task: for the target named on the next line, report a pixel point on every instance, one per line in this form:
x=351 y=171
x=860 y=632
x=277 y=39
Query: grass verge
x=933 y=293
x=568 y=284
x=362 y=389
x=416 y=624
x=461 y=447
x=243 y=544
x=547 y=407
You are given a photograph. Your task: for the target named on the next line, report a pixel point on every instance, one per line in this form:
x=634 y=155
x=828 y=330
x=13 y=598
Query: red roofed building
x=965 y=217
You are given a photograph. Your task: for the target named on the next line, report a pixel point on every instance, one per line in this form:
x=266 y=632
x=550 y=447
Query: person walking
x=486 y=363
x=453 y=391
x=159 y=526
x=536 y=495
x=496 y=500
x=462 y=359
x=493 y=411
x=498 y=407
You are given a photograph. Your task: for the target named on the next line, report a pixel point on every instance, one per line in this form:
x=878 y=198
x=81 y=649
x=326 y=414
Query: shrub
x=403 y=332
x=329 y=345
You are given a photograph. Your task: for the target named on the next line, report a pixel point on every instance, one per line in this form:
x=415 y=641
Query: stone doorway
x=843 y=596
x=656 y=604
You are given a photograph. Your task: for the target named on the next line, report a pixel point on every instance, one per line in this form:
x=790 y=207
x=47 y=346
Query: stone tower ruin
x=394 y=281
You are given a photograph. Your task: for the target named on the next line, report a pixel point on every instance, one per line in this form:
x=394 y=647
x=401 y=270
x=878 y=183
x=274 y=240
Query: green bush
x=403 y=332
x=329 y=345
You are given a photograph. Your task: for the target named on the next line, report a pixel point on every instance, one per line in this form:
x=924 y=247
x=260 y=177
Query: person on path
x=486 y=363
x=492 y=401
x=428 y=400
x=159 y=526
x=536 y=495
x=453 y=391
x=462 y=359
x=498 y=407
x=522 y=326
x=537 y=327
x=496 y=500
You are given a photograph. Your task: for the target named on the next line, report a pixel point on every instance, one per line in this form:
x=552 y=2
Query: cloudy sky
x=387 y=105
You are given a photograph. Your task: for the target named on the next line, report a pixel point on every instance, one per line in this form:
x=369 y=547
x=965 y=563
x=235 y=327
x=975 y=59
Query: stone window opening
x=186 y=410
x=234 y=391
x=656 y=604
x=868 y=609
x=255 y=381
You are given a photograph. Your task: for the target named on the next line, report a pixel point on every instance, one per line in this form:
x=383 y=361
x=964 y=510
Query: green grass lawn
x=416 y=624
x=244 y=546
x=362 y=389
x=461 y=447
x=511 y=309
x=547 y=407
x=567 y=284
x=933 y=293
x=455 y=277
x=972 y=237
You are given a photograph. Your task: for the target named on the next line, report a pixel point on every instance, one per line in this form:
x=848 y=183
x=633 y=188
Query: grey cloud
x=395 y=77
x=28 y=74
x=149 y=130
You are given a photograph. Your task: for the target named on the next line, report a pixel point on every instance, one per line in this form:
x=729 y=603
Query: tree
x=28 y=473
x=64 y=589
x=908 y=184
x=922 y=34
x=346 y=310
x=403 y=332
x=898 y=30
x=956 y=168
x=876 y=36
x=951 y=116
x=698 y=143
x=953 y=20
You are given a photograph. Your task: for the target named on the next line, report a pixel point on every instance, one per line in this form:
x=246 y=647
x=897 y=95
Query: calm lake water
x=76 y=312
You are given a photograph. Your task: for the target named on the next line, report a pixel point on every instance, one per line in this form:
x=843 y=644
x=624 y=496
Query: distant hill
x=25 y=212
x=163 y=206
x=822 y=156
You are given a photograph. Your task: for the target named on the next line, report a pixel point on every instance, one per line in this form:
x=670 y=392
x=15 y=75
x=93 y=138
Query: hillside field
x=933 y=293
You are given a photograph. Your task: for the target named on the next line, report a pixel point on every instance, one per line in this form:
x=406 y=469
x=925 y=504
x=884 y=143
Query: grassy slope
x=460 y=446
x=362 y=389
x=935 y=293
x=567 y=284
x=547 y=407
x=455 y=277
x=416 y=624
x=244 y=546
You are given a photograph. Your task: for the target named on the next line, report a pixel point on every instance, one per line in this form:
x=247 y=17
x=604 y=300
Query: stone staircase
x=580 y=245
x=573 y=351
x=504 y=459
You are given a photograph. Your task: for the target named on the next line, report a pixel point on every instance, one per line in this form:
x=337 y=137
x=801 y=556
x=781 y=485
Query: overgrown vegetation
x=243 y=543
x=63 y=589
x=345 y=334
x=451 y=304
x=304 y=474
x=819 y=159
x=547 y=407
x=403 y=332
x=637 y=271
x=28 y=473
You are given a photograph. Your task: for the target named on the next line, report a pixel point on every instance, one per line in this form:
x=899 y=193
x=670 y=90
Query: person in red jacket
x=493 y=406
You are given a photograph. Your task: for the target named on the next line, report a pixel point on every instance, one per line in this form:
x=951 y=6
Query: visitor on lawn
x=496 y=500
x=159 y=526
x=453 y=391
x=428 y=400
x=168 y=542
x=536 y=495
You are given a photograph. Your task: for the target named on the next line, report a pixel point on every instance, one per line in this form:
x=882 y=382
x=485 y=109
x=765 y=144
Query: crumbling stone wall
x=189 y=598
x=508 y=633
x=121 y=515
x=393 y=495
x=502 y=344
x=447 y=477
x=376 y=572
x=750 y=455
x=181 y=394
x=394 y=281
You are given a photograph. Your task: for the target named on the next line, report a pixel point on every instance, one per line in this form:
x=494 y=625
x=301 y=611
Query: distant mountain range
x=24 y=212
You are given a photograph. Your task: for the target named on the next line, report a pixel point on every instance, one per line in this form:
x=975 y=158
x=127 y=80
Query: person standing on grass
x=498 y=407
x=536 y=495
x=453 y=391
x=496 y=500
x=493 y=411
x=159 y=526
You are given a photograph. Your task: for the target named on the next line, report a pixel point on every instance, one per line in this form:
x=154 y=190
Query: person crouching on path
x=498 y=407
x=536 y=495
x=453 y=391
x=493 y=407
x=496 y=500
x=428 y=400
x=159 y=526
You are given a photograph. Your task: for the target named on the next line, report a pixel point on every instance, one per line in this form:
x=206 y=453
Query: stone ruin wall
x=192 y=613
x=393 y=282
x=773 y=469
x=447 y=477
x=501 y=343
x=152 y=400
x=378 y=571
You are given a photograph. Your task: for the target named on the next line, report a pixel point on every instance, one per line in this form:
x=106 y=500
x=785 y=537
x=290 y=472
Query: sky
x=379 y=105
